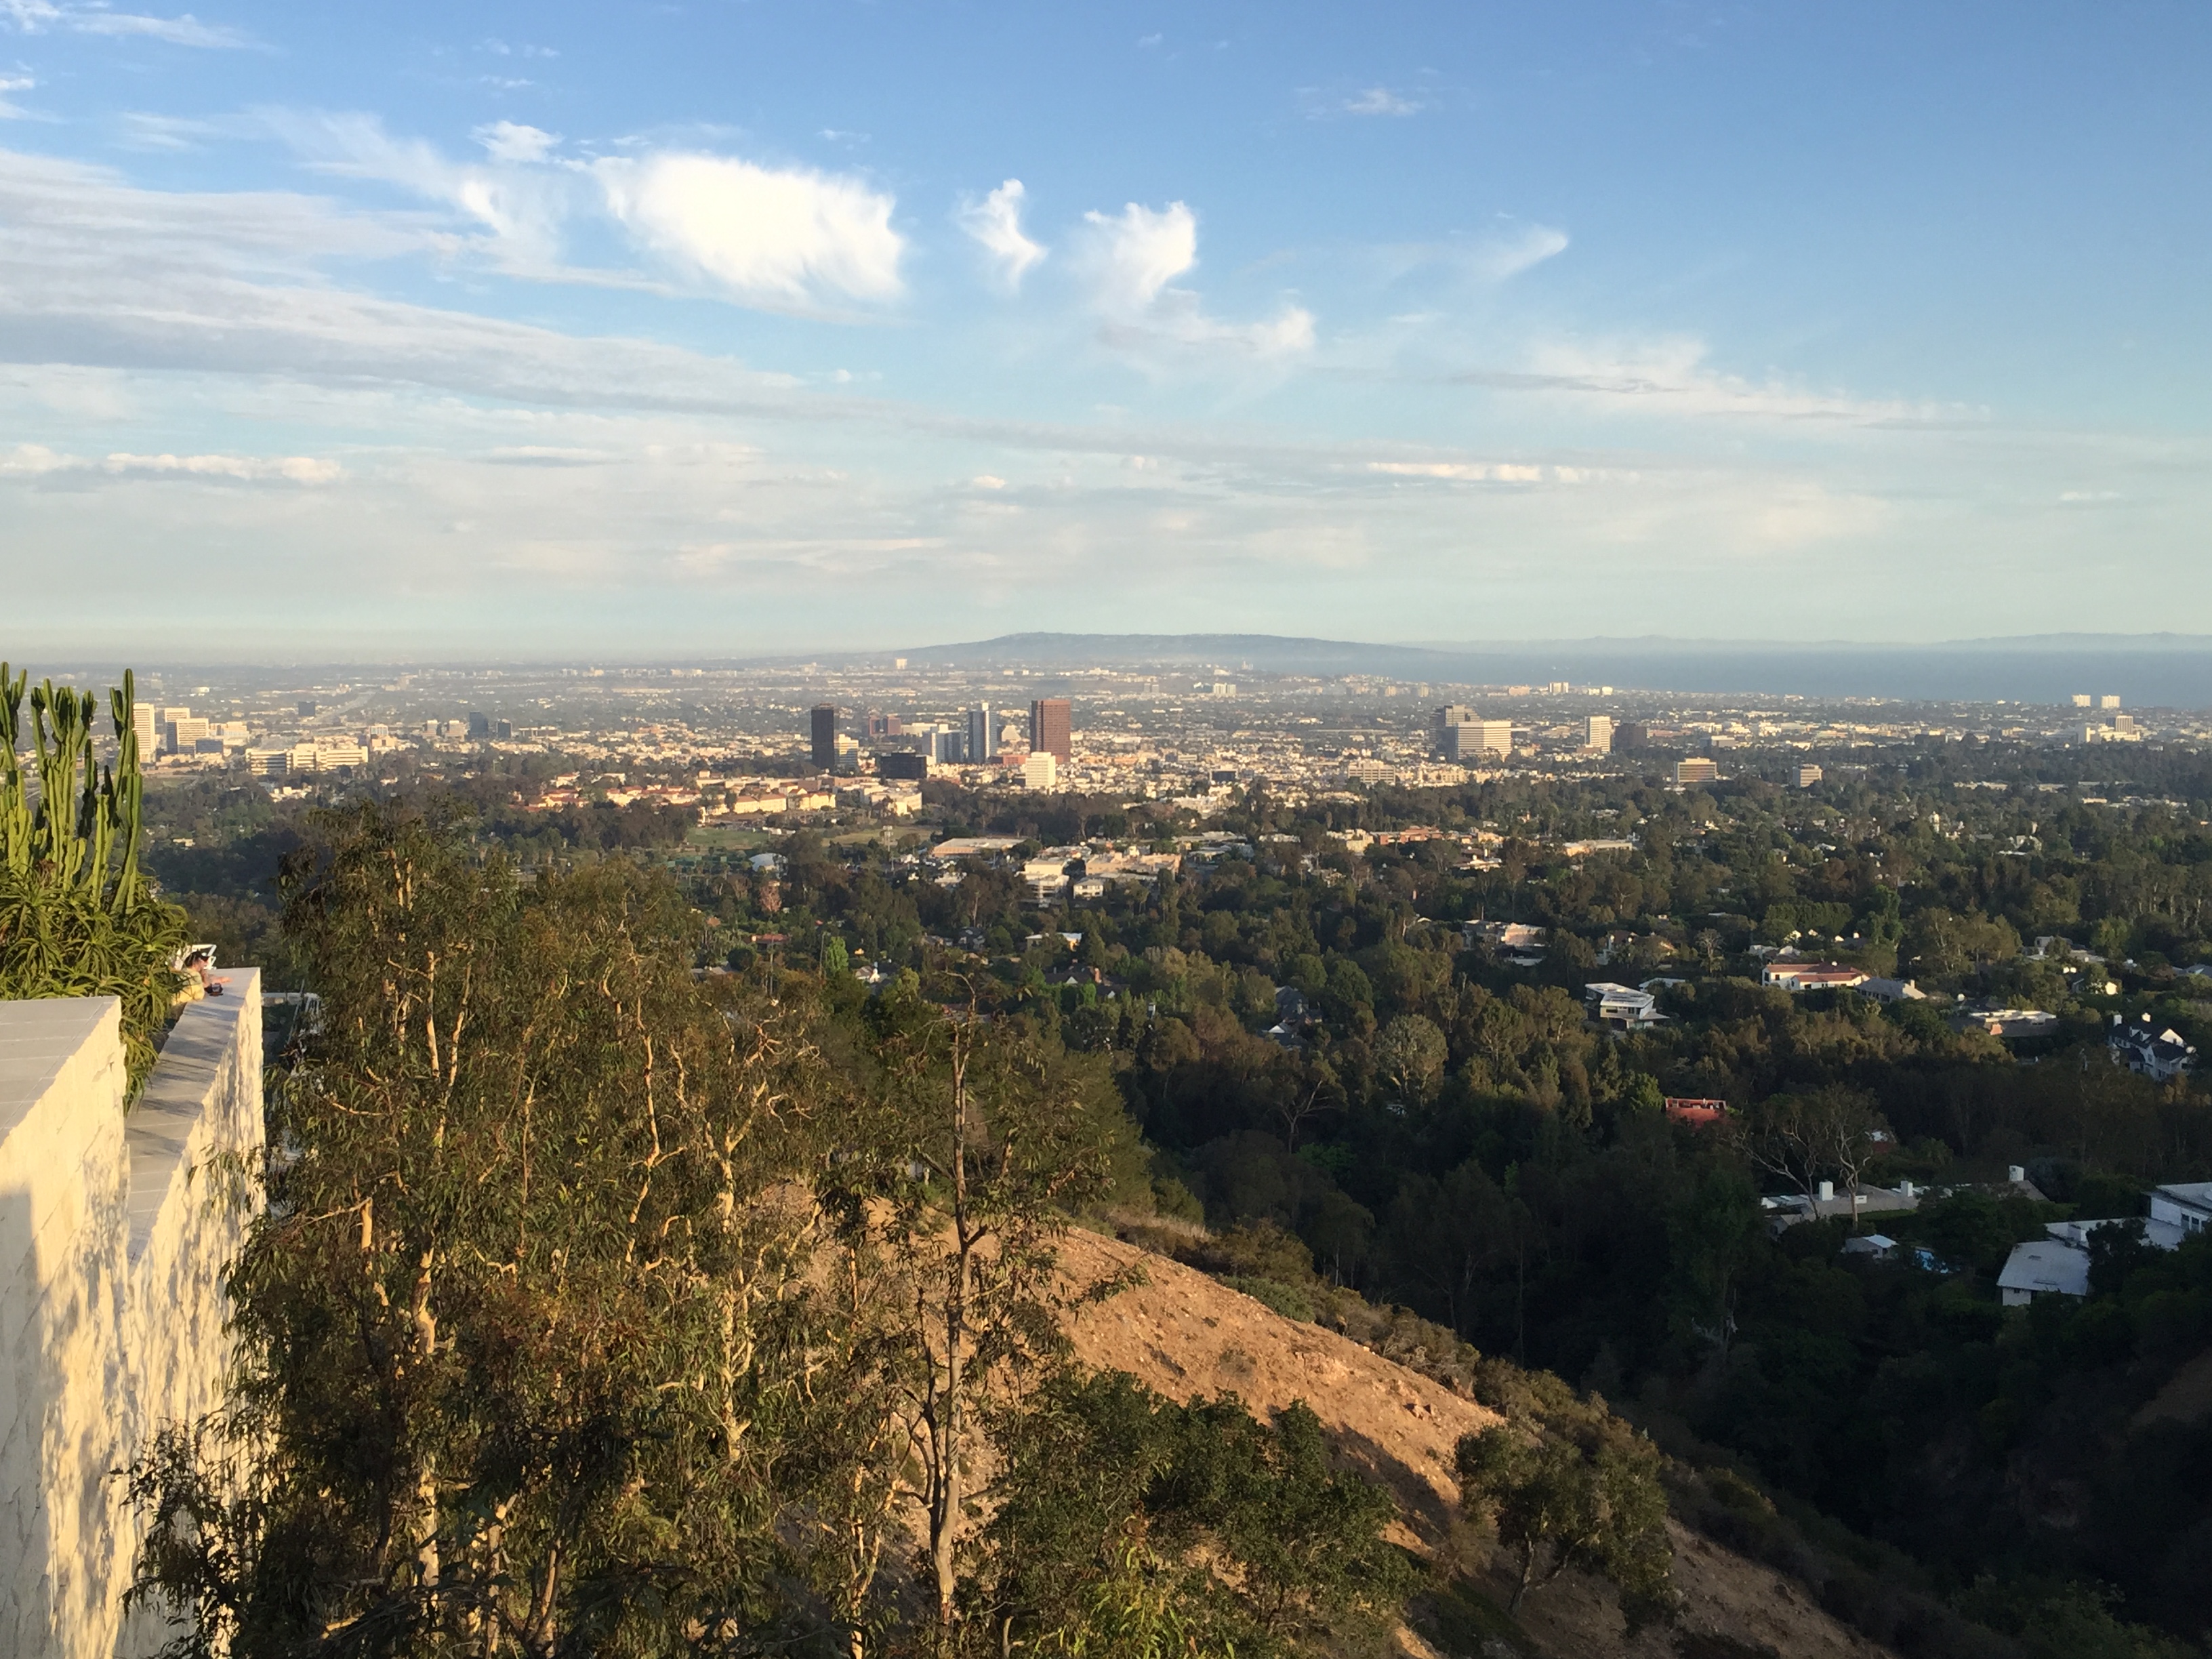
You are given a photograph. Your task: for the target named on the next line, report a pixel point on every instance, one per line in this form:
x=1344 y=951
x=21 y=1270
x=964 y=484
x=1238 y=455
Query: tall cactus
x=77 y=918
x=85 y=816
x=15 y=799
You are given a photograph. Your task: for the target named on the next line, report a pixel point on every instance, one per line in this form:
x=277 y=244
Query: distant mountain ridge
x=2172 y=670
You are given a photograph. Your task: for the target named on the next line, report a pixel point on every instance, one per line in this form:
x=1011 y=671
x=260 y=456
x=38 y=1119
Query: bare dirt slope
x=1184 y=1333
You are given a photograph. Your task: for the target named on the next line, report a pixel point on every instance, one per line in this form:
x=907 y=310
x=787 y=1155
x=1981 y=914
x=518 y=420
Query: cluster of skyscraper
x=1459 y=734
x=970 y=742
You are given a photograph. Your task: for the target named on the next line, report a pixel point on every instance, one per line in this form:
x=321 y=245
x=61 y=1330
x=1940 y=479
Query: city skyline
x=554 y=332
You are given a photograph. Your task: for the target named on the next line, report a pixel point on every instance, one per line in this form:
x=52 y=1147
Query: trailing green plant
x=77 y=918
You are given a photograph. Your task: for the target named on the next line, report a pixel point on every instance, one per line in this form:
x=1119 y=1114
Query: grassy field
x=754 y=838
x=730 y=838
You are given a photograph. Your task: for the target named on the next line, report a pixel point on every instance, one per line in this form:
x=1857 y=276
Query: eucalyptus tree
x=534 y=1355
x=955 y=1189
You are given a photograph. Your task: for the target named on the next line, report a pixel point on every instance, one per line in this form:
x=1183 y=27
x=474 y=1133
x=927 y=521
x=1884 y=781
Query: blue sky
x=718 y=327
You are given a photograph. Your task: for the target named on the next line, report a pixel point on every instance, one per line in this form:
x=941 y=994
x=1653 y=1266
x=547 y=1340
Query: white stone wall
x=114 y=1233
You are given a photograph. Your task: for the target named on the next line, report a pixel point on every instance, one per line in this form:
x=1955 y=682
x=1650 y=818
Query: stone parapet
x=115 y=1230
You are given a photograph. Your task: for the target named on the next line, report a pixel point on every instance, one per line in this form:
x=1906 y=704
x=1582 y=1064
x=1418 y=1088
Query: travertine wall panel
x=114 y=1234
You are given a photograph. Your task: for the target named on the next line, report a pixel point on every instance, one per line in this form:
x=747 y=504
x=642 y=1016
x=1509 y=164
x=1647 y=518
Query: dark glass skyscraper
x=1051 y=729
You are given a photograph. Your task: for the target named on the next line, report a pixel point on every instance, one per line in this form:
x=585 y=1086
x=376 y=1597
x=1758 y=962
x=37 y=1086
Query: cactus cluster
x=83 y=814
x=76 y=917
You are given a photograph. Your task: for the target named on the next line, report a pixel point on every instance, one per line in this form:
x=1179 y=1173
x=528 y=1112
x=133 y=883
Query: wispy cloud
x=35 y=17
x=37 y=461
x=1671 y=376
x=1508 y=253
x=511 y=141
x=1380 y=100
x=1332 y=103
x=1136 y=255
x=790 y=235
x=1476 y=471
x=518 y=208
x=1497 y=256
x=9 y=110
x=995 y=223
x=142 y=129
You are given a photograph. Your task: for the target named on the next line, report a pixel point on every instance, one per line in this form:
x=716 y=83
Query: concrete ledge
x=198 y=1067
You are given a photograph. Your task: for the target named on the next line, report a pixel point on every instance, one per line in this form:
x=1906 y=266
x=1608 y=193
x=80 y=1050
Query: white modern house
x=1622 y=1004
x=2059 y=1263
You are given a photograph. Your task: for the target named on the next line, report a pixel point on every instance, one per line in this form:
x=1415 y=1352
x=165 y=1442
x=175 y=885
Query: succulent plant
x=76 y=917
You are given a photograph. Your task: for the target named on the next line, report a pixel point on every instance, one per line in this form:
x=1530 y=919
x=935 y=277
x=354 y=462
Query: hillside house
x=1622 y=1006
x=2059 y=1264
x=1812 y=976
x=2161 y=1056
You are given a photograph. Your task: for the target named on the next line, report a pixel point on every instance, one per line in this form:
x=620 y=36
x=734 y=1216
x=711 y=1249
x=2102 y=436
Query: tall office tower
x=145 y=729
x=982 y=737
x=1442 y=721
x=1471 y=739
x=479 y=727
x=1597 y=733
x=902 y=763
x=825 y=737
x=1052 y=730
x=948 y=748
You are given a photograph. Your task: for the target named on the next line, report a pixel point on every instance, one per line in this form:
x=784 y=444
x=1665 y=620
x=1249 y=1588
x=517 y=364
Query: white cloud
x=793 y=236
x=35 y=16
x=1670 y=376
x=290 y=469
x=511 y=141
x=1509 y=254
x=1135 y=255
x=520 y=208
x=36 y=460
x=1380 y=100
x=1497 y=256
x=1140 y=252
x=995 y=222
x=9 y=110
x=1476 y=471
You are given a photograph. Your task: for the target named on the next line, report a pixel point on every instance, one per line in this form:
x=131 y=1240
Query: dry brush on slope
x=1186 y=1334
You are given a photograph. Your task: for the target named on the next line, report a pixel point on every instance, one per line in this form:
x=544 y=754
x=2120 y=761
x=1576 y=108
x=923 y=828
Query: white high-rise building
x=1597 y=733
x=1471 y=739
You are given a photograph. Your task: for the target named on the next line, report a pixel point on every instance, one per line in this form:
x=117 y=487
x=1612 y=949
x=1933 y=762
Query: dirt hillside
x=1184 y=1333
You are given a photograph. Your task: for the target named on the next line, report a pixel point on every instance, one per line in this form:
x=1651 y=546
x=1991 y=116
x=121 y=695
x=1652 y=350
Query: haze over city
x=500 y=332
